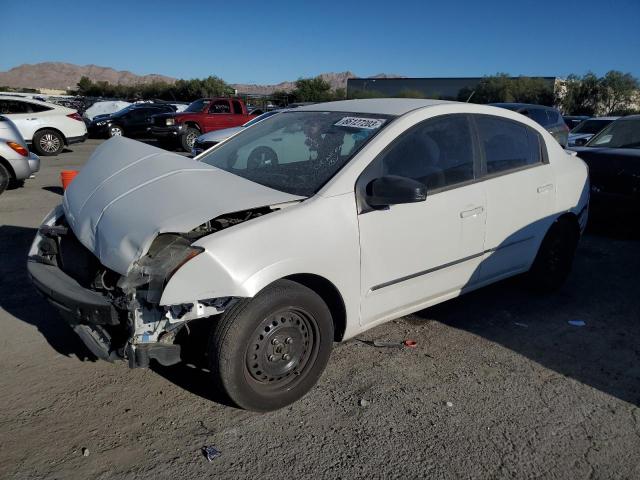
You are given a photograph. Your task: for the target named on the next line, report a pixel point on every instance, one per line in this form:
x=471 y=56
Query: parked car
x=17 y=163
x=548 y=117
x=587 y=129
x=132 y=121
x=104 y=109
x=208 y=140
x=45 y=126
x=613 y=157
x=202 y=116
x=572 y=121
x=307 y=228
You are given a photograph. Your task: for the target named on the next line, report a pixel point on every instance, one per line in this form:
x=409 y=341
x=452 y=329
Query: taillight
x=75 y=116
x=18 y=148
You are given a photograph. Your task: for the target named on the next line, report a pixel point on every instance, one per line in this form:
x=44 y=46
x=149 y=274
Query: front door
x=414 y=254
x=219 y=116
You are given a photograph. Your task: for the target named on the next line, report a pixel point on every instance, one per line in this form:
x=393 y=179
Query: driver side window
x=437 y=152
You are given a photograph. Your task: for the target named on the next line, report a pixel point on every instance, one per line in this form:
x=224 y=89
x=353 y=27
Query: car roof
x=386 y=106
x=518 y=105
x=55 y=106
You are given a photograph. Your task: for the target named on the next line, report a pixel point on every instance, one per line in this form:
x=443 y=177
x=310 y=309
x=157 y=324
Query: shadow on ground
x=603 y=291
x=53 y=189
x=20 y=299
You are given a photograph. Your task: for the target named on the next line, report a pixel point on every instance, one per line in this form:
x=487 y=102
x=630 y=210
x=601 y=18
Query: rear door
x=520 y=192
x=416 y=253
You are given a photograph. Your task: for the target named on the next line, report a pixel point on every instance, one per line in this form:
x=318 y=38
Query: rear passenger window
x=438 y=153
x=35 y=108
x=507 y=145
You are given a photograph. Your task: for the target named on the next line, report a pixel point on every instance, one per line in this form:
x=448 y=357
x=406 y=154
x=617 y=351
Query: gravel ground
x=500 y=385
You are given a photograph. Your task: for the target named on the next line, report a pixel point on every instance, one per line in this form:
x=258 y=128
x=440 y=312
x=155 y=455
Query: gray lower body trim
x=447 y=265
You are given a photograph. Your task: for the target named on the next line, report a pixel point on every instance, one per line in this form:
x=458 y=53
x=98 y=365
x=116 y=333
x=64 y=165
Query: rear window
x=591 y=126
x=507 y=145
x=538 y=115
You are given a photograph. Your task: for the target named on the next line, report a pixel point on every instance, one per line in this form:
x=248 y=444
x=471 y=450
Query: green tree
x=312 y=90
x=617 y=91
x=581 y=95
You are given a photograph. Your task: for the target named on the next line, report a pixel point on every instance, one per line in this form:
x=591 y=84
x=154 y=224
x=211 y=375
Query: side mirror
x=580 y=142
x=393 y=190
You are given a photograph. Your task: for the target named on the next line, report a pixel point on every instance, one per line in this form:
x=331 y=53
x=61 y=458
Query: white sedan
x=308 y=228
x=45 y=126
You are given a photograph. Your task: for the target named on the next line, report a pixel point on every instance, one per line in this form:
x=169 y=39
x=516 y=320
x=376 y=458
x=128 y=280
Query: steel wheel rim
x=50 y=143
x=281 y=349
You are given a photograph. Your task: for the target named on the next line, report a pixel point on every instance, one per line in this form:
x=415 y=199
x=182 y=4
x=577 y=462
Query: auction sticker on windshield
x=358 y=122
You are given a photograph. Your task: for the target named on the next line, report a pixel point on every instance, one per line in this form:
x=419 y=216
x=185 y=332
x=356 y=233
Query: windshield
x=259 y=118
x=296 y=152
x=619 y=134
x=197 y=106
x=591 y=126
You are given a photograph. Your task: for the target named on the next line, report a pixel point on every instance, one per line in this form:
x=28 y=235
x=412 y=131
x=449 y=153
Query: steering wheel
x=261 y=157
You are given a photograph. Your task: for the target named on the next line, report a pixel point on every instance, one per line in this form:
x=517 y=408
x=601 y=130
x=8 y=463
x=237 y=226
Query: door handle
x=545 y=188
x=474 y=212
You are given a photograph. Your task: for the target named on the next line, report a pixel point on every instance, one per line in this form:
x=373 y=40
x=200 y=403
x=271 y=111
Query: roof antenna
x=472 y=94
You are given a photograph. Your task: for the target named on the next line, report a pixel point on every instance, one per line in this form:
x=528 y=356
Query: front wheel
x=268 y=351
x=188 y=138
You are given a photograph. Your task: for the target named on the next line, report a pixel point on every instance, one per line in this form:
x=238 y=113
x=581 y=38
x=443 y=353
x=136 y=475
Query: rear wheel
x=5 y=178
x=554 y=260
x=48 y=143
x=188 y=138
x=268 y=351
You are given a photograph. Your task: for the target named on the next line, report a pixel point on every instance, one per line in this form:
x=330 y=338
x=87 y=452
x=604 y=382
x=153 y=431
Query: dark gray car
x=548 y=117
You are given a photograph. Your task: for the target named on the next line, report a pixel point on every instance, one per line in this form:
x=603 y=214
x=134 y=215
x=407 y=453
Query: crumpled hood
x=129 y=192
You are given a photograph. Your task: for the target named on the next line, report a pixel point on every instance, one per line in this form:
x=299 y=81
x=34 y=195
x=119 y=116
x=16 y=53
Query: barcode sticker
x=358 y=122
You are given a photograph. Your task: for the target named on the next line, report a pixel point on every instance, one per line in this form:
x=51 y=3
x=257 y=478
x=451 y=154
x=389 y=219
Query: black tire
x=48 y=143
x=188 y=138
x=5 y=178
x=268 y=351
x=13 y=183
x=554 y=260
x=115 y=131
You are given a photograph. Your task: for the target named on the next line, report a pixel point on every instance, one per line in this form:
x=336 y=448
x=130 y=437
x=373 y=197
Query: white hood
x=129 y=192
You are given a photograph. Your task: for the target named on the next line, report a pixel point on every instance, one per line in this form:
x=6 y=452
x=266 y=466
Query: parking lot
x=500 y=384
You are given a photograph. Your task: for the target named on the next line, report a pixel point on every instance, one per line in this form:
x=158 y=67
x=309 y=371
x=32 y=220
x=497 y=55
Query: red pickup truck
x=201 y=116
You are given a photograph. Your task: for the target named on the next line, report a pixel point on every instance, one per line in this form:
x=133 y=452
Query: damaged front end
x=120 y=316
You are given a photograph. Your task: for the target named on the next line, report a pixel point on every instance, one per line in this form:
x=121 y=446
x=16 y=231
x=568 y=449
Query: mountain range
x=63 y=76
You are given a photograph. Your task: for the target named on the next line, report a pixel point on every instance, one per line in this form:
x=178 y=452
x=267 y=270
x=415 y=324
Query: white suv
x=307 y=228
x=45 y=126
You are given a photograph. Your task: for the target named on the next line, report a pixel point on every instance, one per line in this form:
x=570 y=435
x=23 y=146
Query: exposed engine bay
x=134 y=326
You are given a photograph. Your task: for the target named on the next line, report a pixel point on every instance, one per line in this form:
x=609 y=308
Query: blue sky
x=272 y=41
